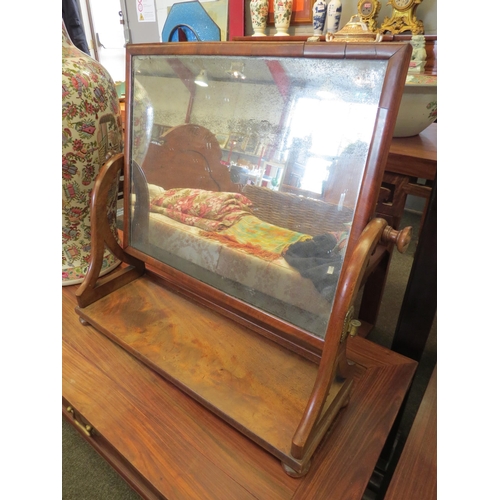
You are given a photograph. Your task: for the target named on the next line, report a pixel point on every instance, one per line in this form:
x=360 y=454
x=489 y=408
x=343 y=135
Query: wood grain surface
x=250 y=381
x=415 y=477
x=166 y=445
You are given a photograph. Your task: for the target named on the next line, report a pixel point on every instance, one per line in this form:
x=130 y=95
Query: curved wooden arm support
x=333 y=363
x=93 y=288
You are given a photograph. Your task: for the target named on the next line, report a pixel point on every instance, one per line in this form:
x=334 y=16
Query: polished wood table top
x=414 y=156
x=166 y=445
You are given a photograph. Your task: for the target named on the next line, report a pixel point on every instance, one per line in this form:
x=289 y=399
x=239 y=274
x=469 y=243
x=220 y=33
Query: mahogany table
x=411 y=168
x=418 y=309
x=166 y=445
x=411 y=159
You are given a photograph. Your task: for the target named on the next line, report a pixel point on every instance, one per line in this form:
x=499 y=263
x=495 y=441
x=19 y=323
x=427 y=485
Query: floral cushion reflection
x=226 y=217
x=206 y=210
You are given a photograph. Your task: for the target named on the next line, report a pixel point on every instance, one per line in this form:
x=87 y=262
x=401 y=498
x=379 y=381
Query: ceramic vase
x=91 y=134
x=333 y=13
x=319 y=16
x=258 y=12
x=282 y=16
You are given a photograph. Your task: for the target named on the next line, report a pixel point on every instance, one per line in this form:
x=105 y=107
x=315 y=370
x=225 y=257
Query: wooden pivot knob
x=400 y=238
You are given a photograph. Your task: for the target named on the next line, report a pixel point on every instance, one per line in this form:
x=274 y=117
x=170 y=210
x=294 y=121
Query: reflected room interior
x=249 y=181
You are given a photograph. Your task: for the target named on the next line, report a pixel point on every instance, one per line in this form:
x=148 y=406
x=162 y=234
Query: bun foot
x=293 y=473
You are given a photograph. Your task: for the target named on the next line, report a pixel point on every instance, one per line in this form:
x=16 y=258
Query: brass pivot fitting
x=351 y=326
x=354 y=327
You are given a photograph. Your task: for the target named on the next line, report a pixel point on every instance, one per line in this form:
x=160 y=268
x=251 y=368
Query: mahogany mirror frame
x=278 y=330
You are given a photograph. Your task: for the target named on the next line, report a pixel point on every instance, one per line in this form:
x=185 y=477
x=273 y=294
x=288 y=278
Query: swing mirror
x=247 y=189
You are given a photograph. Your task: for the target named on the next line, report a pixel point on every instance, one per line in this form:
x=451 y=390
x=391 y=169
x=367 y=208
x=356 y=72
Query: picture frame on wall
x=301 y=12
x=158 y=131
x=251 y=144
x=235 y=142
x=222 y=140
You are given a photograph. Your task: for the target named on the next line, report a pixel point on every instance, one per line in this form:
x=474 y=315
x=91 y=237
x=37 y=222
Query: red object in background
x=236 y=18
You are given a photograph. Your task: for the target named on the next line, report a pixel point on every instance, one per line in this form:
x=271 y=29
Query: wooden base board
x=254 y=384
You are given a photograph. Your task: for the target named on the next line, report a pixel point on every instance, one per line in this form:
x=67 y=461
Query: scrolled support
x=334 y=361
x=93 y=288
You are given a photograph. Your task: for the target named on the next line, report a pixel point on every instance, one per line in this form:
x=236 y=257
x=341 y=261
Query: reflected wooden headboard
x=190 y=157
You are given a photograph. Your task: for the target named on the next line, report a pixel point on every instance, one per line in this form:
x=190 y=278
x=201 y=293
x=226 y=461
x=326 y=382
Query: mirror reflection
x=246 y=172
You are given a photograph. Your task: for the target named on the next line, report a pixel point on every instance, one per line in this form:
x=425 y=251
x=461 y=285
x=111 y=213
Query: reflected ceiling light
x=325 y=94
x=202 y=79
x=236 y=70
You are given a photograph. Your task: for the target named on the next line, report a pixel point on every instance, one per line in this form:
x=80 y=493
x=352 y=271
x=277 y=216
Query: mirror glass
x=249 y=169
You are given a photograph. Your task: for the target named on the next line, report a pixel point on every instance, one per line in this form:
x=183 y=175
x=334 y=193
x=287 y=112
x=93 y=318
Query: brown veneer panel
x=258 y=386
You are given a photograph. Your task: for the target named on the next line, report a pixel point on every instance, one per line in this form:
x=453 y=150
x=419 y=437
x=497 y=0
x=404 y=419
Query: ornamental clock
x=368 y=11
x=403 y=18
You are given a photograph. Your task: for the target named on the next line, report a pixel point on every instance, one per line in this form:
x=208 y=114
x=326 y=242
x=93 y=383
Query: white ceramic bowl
x=418 y=107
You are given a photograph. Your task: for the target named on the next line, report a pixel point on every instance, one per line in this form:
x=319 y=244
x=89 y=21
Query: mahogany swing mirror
x=251 y=175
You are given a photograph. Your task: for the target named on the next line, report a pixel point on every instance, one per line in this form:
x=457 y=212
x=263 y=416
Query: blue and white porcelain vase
x=333 y=13
x=319 y=16
x=258 y=12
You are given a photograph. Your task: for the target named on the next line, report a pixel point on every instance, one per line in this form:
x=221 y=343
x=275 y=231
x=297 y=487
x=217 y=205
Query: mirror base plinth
x=259 y=387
